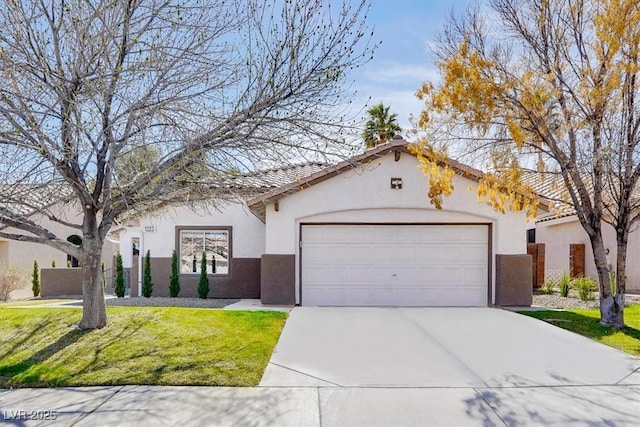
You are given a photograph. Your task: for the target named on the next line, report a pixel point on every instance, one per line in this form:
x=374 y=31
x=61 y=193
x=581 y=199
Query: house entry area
x=394 y=264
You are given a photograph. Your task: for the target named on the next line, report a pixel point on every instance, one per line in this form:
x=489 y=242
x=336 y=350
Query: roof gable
x=258 y=204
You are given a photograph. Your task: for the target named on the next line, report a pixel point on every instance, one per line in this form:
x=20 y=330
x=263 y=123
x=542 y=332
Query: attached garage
x=394 y=264
x=363 y=233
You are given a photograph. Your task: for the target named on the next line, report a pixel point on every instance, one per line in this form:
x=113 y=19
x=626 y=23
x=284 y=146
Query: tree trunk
x=94 y=313
x=607 y=311
x=613 y=304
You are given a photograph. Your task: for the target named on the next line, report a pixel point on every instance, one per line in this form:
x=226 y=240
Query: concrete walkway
x=322 y=406
x=381 y=367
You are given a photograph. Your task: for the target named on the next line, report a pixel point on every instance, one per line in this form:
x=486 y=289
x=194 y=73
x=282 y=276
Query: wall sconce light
x=396 y=183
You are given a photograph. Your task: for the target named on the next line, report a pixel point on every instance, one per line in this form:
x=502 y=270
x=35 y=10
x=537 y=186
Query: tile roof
x=270 y=179
x=28 y=199
x=550 y=187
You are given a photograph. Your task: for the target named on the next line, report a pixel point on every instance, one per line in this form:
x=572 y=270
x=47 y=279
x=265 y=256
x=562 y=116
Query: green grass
x=586 y=322
x=41 y=347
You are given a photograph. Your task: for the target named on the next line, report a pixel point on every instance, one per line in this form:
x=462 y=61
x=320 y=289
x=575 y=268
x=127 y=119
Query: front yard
x=41 y=347
x=586 y=322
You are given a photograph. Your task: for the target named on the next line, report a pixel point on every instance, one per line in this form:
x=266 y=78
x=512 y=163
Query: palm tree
x=381 y=126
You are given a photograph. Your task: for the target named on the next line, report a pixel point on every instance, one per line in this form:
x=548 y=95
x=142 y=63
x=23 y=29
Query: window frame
x=204 y=228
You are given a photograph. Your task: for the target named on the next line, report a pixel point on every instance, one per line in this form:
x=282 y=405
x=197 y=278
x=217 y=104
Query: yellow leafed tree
x=551 y=87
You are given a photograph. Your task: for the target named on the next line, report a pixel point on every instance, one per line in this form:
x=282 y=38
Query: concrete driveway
x=451 y=366
x=437 y=347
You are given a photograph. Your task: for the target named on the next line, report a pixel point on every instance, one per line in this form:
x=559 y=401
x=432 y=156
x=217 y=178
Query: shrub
x=174 y=279
x=35 y=279
x=11 y=279
x=53 y=264
x=585 y=286
x=564 y=285
x=203 y=283
x=547 y=287
x=147 y=283
x=119 y=287
x=68 y=264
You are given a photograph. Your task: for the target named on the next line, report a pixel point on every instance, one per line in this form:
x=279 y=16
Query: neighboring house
x=36 y=203
x=567 y=248
x=358 y=233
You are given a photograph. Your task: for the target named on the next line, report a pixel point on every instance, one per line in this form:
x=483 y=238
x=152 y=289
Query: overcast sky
x=403 y=62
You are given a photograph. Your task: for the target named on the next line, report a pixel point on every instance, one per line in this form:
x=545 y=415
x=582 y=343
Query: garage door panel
x=327 y=254
x=365 y=254
x=397 y=265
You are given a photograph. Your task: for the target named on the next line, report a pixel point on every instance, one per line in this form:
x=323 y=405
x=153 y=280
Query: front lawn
x=586 y=322
x=41 y=347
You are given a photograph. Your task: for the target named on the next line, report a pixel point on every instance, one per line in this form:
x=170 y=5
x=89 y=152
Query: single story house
x=566 y=245
x=39 y=204
x=358 y=233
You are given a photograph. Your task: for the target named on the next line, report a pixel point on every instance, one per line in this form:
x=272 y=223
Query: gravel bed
x=169 y=302
x=572 y=301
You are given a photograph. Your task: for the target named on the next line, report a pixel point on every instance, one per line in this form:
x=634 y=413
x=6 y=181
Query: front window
x=215 y=243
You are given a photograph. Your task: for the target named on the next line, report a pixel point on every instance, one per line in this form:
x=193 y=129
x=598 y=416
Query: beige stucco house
x=358 y=233
x=559 y=233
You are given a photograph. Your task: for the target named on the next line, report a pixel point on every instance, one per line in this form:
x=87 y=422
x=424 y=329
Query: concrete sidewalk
x=322 y=406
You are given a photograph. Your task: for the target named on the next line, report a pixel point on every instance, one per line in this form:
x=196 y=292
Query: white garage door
x=394 y=265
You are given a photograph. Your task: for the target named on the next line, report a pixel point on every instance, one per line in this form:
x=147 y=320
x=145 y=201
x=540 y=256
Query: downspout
x=140 y=261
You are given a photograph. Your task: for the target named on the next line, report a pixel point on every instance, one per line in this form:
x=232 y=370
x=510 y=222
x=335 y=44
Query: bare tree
x=552 y=87
x=85 y=85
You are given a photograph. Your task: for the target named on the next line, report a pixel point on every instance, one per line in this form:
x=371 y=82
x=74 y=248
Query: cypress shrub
x=147 y=283
x=174 y=279
x=203 y=283
x=35 y=279
x=119 y=287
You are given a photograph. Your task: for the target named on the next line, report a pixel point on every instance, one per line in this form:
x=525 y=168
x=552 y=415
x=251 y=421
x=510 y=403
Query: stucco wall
x=157 y=231
x=56 y=282
x=558 y=234
x=22 y=254
x=364 y=195
x=366 y=189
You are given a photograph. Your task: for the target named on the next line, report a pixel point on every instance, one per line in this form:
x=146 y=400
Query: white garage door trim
x=395 y=264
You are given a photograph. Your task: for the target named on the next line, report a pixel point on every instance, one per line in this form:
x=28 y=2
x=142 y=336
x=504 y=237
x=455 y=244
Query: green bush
x=585 y=286
x=547 y=287
x=119 y=287
x=147 y=283
x=564 y=285
x=174 y=279
x=35 y=279
x=53 y=264
x=203 y=283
